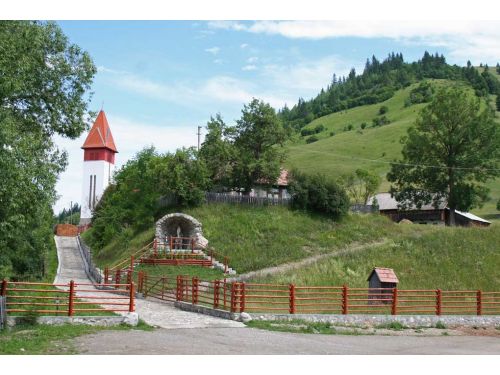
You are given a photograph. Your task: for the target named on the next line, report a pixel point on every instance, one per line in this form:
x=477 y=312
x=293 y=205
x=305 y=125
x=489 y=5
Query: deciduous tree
x=448 y=155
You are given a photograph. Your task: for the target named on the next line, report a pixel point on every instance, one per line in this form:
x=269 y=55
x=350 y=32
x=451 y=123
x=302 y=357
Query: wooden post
x=194 y=290
x=233 y=297
x=242 y=297
x=145 y=283
x=225 y=264
x=106 y=275
x=439 y=302
x=216 y=293
x=225 y=294
x=131 y=306
x=71 y=297
x=3 y=291
x=117 y=278
x=394 y=309
x=479 y=297
x=192 y=245
x=291 y=289
x=178 y=289
x=140 y=282
x=345 y=301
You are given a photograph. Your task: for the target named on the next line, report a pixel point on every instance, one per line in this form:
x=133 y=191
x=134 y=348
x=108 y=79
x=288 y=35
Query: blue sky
x=159 y=80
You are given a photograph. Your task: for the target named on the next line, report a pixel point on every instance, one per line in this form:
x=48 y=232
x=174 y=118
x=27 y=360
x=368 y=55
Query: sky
x=157 y=81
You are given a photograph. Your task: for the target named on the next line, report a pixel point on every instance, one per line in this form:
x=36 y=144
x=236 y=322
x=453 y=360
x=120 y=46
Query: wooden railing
x=67 y=299
x=292 y=299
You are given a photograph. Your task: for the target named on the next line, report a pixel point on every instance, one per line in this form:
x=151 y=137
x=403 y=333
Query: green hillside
x=372 y=148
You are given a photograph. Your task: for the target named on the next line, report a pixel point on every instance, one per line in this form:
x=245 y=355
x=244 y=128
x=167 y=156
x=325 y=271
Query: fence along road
x=161 y=314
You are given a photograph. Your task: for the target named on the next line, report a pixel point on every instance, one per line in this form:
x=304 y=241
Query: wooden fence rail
x=66 y=299
x=294 y=299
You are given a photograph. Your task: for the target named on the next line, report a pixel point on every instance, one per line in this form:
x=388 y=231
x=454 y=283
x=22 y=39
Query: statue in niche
x=178 y=241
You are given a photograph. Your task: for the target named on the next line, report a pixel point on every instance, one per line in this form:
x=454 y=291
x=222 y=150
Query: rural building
x=277 y=190
x=426 y=214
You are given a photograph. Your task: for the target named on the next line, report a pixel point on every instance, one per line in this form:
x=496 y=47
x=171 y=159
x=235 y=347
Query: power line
x=397 y=163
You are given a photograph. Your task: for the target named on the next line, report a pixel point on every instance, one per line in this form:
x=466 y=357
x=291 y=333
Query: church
x=99 y=151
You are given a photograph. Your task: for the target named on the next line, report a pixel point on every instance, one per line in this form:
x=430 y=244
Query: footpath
x=155 y=313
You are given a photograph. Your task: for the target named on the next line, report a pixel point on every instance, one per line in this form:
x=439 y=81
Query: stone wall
x=106 y=321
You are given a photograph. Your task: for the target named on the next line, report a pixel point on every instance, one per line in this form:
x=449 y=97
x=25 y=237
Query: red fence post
x=291 y=289
x=439 y=301
x=145 y=285
x=479 y=297
x=345 y=301
x=192 y=245
x=216 y=293
x=71 y=297
x=194 y=290
x=225 y=294
x=106 y=275
x=178 y=290
x=117 y=278
x=131 y=306
x=242 y=297
x=394 y=307
x=3 y=291
x=233 y=296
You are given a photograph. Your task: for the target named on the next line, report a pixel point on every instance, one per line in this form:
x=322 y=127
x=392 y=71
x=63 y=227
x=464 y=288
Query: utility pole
x=199 y=134
x=71 y=212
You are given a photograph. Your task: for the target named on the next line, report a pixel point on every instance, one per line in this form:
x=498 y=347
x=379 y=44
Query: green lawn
x=45 y=339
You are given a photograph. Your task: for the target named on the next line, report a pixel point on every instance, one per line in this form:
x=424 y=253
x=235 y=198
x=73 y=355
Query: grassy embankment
x=422 y=256
x=372 y=148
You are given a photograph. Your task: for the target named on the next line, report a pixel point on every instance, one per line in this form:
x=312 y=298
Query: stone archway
x=179 y=223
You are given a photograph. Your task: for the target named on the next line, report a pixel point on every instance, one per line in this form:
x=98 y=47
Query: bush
x=312 y=139
x=363 y=125
x=332 y=134
x=319 y=128
x=383 y=110
x=317 y=193
x=306 y=132
x=379 y=121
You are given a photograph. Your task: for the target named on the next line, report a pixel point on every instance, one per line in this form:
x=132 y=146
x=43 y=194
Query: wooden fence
x=293 y=299
x=61 y=299
x=246 y=199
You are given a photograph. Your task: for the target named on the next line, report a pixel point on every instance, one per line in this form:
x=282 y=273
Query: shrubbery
x=383 y=110
x=317 y=193
x=379 y=121
x=317 y=129
x=312 y=139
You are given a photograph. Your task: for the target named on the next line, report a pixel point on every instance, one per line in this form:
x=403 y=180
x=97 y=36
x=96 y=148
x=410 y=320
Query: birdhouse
x=381 y=283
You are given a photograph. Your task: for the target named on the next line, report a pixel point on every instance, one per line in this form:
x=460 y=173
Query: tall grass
x=447 y=258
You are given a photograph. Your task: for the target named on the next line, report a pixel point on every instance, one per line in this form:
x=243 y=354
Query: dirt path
x=353 y=248
x=160 y=314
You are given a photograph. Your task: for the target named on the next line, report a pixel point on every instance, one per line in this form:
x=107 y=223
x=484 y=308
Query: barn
x=426 y=214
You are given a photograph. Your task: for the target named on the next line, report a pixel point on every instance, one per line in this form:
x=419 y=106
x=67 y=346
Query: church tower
x=98 y=160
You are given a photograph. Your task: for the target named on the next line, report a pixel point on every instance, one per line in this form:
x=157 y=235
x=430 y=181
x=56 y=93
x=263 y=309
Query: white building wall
x=102 y=171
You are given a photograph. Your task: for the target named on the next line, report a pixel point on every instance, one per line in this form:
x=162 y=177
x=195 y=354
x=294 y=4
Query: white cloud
x=249 y=67
x=218 y=61
x=252 y=60
x=465 y=39
x=243 y=45
x=307 y=76
x=213 y=50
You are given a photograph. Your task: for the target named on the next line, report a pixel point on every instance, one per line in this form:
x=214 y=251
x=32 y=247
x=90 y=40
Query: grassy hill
x=255 y=238
x=372 y=148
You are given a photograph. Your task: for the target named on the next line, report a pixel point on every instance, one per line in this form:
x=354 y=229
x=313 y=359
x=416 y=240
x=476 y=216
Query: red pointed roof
x=100 y=135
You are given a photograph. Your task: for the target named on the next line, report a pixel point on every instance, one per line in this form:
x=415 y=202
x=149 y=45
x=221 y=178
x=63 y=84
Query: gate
x=162 y=287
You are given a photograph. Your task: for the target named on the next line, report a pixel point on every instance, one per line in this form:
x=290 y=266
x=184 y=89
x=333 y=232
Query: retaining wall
x=105 y=321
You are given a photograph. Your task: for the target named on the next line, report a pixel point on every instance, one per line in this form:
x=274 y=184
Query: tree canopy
x=248 y=153
x=453 y=148
x=43 y=84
